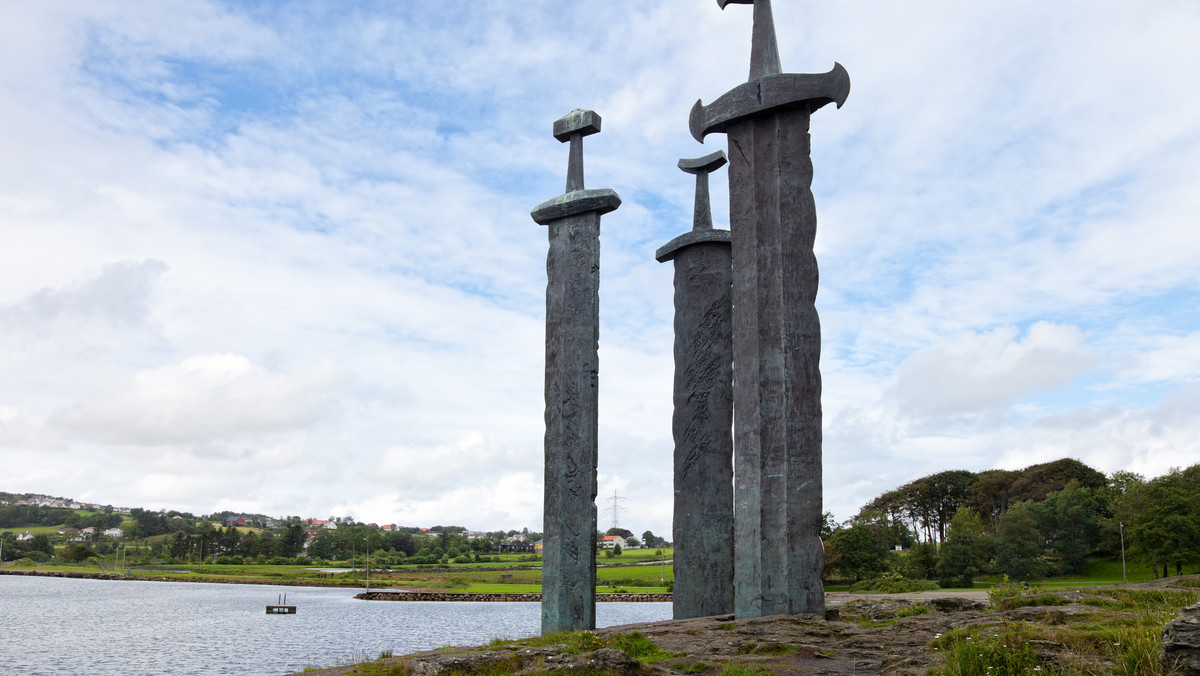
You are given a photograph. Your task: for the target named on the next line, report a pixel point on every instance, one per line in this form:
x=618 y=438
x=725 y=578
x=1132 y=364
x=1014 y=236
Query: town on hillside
x=41 y=527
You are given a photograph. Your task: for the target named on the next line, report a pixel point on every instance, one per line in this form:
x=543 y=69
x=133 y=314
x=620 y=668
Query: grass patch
x=1125 y=640
x=914 y=610
x=743 y=670
x=988 y=651
x=637 y=646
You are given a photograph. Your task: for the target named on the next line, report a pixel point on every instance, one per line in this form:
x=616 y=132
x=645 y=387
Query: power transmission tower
x=616 y=509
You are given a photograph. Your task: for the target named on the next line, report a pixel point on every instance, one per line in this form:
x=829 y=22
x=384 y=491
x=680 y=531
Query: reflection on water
x=69 y=626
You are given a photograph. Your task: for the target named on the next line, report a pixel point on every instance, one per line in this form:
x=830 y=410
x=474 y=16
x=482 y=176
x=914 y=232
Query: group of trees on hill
x=1043 y=520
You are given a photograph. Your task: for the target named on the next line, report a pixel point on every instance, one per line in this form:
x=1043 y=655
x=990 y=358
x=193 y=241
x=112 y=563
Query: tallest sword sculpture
x=778 y=554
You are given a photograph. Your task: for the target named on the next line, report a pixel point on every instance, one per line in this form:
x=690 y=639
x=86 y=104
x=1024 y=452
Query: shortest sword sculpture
x=703 y=418
x=572 y=366
x=778 y=555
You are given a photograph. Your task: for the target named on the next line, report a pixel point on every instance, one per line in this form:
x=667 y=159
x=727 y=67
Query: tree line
x=1047 y=519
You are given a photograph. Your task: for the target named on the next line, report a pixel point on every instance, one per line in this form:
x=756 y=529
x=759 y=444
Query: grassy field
x=639 y=570
x=511 y=575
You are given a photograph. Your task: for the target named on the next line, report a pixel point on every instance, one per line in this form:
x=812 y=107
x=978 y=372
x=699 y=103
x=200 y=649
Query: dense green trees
x=1162 y=519
x=859 y=558
x=1042 y=520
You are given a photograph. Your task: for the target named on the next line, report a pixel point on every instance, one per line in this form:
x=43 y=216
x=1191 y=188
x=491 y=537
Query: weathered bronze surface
x=572 y=367
x=703 y=418
x=778 y=554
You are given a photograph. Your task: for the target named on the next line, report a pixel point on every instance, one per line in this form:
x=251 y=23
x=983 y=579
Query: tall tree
x=1070 y=519
x=1020 y=545
x=292 y=542
x=964 y=554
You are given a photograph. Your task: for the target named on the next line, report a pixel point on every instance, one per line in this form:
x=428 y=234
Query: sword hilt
x=764 y=48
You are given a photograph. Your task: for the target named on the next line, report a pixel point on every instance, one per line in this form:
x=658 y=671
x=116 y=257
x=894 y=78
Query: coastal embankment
x=615 y=597
x=392 y=595
x=87 y=575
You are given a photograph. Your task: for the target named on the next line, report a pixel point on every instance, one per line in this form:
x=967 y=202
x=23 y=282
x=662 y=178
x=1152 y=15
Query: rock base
x=1181 y=643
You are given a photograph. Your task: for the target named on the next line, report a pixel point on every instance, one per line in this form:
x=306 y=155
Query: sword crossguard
x=773 y=92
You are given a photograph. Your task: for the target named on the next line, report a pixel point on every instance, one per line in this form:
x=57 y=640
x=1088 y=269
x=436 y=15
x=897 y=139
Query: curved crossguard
x=702 y=167
x=785 y=90
x=764 y=49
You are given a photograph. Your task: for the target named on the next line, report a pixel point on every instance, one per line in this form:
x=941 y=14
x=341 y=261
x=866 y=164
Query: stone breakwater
x=519 y=598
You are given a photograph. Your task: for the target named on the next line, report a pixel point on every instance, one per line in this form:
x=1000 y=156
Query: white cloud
x=985 y=374
x=296 y=241
x=204 y=398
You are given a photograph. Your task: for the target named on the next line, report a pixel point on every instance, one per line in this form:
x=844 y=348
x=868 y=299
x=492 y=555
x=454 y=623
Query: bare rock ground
x=861 y=634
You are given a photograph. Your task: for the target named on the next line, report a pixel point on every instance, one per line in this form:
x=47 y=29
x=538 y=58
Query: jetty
x=281 y=607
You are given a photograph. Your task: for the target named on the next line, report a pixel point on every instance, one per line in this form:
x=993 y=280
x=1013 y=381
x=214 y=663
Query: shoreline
x=832 y=598
x=388 y=595
x=85 y=575
x=520 y=597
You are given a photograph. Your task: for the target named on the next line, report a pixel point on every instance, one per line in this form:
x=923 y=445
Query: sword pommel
x=578 y=121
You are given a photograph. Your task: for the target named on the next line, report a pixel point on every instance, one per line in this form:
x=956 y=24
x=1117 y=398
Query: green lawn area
x=35 y=530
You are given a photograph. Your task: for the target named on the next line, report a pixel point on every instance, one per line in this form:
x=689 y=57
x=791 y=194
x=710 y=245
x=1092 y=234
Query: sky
x=276 y=257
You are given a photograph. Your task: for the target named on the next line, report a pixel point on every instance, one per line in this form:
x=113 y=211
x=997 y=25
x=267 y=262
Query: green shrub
x=1003 y=590
x=893 y=583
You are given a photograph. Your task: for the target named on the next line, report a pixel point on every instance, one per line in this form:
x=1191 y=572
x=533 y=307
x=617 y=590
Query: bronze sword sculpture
x=778 y=554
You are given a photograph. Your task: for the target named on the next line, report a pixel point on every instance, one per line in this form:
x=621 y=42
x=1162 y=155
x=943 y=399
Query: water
x=72 y=626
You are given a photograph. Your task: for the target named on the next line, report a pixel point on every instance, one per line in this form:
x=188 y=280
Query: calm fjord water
x=70 y=626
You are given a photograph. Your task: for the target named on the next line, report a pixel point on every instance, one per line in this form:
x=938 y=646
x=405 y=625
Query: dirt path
x=841 y=598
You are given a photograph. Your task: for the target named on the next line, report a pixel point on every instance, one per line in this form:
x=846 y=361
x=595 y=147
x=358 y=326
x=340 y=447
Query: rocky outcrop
x=1181 y=643
x=525 y=598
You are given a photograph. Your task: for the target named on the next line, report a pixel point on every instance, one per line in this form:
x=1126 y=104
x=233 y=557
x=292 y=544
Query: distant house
x=235 y=521
x=321 y=523
x=389 y=527
x=68 y=531
x=114 y=533
x=610 y=542
x=24 y=536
